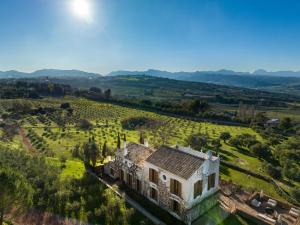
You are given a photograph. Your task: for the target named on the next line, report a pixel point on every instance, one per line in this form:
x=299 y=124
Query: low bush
x=134 y=123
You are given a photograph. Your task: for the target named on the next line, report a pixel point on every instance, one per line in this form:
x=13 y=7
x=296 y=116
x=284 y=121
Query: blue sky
x=174 y=35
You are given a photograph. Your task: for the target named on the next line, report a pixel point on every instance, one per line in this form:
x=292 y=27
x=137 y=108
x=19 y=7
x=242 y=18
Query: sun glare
x=82 y=9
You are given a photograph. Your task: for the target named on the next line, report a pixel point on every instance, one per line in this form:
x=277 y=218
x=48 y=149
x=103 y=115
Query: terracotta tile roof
x=175 y=161
x=138 y=153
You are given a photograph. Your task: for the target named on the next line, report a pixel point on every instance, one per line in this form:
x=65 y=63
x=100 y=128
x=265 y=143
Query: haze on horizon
x=174 y=35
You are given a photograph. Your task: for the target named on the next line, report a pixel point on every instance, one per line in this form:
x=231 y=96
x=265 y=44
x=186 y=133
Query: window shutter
x=175 y=187
x=198 y=188
x=153 y=175
x=172 y=185
x=211 y=181
x=179 y=189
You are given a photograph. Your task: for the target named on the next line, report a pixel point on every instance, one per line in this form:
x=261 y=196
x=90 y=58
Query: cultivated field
x=56 y=134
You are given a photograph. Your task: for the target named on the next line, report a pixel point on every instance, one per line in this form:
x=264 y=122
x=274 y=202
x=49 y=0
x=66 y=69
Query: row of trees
x=34 y=89
x=23 y=89
x=91 y=152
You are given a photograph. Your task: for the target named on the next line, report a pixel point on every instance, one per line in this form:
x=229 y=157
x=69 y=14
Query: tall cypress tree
x=104 y=150
x=119 y=142
x=142 y=141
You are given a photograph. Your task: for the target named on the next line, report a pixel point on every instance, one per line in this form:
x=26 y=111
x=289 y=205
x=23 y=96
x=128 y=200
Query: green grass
x=70 y=169
x=243 y=160
x=73 y=169
x=237 y=220
x=248 y=182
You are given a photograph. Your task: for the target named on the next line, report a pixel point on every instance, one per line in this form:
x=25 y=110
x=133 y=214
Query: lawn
x=248 y=182
x=242 y=159
x=70 y=168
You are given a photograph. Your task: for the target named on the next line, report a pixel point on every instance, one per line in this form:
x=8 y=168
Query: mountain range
x=47 y=73
x=259 y=72
x=259 y=79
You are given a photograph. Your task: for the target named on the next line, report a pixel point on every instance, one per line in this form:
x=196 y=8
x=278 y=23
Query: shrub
x=85 y=124
x=296 y=194
x=140 y=122
x=225 y=136
x=261 y=150
x=243 y=140
x=273 y=171
x=197 y=141
x=63 y=159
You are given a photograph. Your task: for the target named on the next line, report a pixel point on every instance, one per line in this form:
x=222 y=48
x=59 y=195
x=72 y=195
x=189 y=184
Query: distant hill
x=47 y=73
x=157 y=88
x=258 y=79
x=260 y=72
x=286 y=73
x=280 y=81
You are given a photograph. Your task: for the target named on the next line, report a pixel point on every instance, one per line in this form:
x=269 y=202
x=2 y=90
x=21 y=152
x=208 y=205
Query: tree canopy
x=15 y=193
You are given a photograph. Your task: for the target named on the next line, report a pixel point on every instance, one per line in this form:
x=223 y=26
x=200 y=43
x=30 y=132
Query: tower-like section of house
x=191 y=178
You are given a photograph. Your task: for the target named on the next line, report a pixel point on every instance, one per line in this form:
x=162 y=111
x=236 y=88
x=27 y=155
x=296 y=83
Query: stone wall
x=163 y=194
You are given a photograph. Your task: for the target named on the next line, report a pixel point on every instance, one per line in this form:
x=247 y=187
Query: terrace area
x=258 y=207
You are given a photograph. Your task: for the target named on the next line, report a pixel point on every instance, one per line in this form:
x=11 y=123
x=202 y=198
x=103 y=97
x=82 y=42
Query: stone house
x=180 y=180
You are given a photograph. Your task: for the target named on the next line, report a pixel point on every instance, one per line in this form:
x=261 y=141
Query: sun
x=82 y=9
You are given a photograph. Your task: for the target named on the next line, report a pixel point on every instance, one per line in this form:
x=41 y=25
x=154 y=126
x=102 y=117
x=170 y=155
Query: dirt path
x=26 y=141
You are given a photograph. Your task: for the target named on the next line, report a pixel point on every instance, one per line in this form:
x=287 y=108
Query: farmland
x=46 y=132
x=56 y=134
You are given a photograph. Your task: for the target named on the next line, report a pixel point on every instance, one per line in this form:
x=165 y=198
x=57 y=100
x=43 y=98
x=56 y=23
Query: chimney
x=146 y=143
x=209 y=155
x=125 y=149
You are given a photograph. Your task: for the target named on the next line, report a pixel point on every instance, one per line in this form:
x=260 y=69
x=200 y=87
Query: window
x=122 y=176
x=211 y=181
x=138 y=185
x=153 y=176
x=175 y=187
x=164 y=177
x=175 y=206
x=112 y=172
x=153 y=193
x=129 y=180
x=198 y=188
